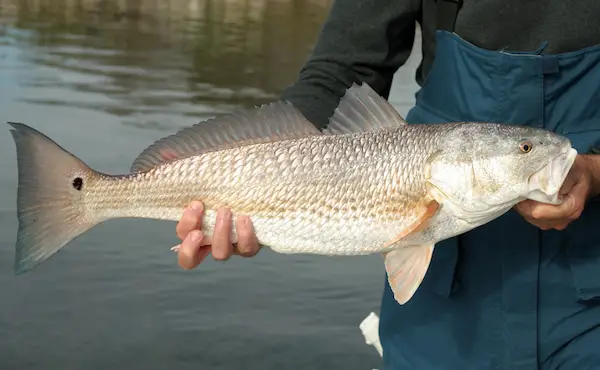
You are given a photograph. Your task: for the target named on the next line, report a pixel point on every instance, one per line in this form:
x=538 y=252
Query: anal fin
x=406 y=268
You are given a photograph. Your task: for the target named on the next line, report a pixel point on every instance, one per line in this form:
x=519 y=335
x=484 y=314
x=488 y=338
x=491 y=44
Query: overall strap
x=447 y=10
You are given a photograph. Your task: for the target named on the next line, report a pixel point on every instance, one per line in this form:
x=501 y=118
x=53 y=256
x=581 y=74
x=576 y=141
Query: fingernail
x=223 y=213
x=176 y=248
x=197 y=206
x=195 y=236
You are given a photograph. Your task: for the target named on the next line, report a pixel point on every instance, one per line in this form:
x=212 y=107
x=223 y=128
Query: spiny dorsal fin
x=362 y=109
x=267 y=123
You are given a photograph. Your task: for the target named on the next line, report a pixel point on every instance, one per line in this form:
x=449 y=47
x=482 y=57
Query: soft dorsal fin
x=267 y=123
x=362 y=109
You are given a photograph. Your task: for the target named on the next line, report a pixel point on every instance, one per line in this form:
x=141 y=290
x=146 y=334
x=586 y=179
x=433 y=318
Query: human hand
x=577 y=188
x=196 y=246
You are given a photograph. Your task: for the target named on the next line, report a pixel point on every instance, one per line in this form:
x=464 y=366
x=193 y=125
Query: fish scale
x=368 y=183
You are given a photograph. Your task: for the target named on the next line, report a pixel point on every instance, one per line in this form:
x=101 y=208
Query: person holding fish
x=482 y=203
x=522 y=291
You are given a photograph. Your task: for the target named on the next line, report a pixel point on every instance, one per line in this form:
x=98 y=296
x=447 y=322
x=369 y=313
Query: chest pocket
x=583 y=235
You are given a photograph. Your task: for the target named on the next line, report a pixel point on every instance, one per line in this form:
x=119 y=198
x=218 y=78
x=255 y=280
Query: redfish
x=368 y=183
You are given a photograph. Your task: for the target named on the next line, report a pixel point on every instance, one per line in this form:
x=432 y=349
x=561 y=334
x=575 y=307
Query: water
x=107 y=78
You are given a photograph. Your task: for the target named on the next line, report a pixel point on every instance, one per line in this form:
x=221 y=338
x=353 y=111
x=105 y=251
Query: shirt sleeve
x=361 y=41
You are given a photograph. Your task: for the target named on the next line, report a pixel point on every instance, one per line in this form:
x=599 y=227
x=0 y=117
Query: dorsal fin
x=267 y=123
x=362 y=109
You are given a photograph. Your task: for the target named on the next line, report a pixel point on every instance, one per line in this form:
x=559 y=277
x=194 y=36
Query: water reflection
x=148 y=61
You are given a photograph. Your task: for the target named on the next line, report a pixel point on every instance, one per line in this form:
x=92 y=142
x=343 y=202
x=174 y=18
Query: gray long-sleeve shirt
x=368 y=40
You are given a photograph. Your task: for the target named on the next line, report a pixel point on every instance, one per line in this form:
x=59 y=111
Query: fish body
x=369 y=183
x=332 y=195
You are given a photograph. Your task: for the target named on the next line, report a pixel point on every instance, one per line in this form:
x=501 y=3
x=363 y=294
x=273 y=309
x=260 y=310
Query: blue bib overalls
x=506 y=295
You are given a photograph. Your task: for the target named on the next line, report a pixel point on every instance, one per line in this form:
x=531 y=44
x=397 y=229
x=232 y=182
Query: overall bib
x=506 y=295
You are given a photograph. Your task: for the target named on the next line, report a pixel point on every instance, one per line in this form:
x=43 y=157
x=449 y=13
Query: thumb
x=568 y=184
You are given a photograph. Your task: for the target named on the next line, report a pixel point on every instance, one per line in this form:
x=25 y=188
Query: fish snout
x=545 y=184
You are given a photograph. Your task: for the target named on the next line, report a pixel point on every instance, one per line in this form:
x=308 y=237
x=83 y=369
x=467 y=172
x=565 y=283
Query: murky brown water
x=107 y=78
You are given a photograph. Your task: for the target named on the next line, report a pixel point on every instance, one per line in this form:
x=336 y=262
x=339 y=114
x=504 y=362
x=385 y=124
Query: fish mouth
x=544 y=185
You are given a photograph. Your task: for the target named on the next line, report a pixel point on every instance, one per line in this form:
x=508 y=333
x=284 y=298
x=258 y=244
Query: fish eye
x=525 y=146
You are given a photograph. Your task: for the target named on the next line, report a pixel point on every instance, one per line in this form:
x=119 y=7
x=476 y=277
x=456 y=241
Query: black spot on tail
x=78 y=183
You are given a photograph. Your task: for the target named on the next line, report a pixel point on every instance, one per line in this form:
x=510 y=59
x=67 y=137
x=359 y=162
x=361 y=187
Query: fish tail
x=50 y=197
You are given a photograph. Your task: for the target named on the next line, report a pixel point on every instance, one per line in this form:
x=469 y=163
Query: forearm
x=361 y=41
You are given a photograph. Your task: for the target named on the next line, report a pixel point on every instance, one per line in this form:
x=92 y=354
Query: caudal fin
x=50 y=208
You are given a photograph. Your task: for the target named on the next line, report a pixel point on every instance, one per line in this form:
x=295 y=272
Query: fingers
x=544 y=225
x=247 y=245
x=196 y=246
x=578 y=196
x=575 y=190
x=545 y=212
x=569 y=182
x=190 y=220
x=191 y=252
x=222 y=248
x=549 y=212
x=548 y=216
x=569 y=210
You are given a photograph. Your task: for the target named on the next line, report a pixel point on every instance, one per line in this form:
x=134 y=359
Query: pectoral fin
x=419 y=223
x=406 y=268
